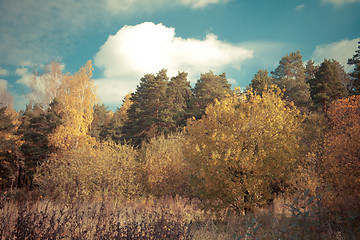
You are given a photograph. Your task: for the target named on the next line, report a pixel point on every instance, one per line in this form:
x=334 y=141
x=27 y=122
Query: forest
x=279 y=159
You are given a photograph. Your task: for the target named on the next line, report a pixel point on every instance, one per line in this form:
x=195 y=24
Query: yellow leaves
x=164 y=167
x=77 y=98
x=243 y=142
x=89 y=171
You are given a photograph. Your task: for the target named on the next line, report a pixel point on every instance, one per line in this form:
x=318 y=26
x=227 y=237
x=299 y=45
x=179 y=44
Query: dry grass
x=169 y=218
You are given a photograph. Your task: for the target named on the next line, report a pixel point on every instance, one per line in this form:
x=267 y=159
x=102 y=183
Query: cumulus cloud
x=3 y=72
x=339 y=3
x=340 y=51
x=32 y=32
x=147 y=48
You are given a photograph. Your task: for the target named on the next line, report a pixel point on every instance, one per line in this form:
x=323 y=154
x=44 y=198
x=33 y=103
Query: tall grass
x=172 y=218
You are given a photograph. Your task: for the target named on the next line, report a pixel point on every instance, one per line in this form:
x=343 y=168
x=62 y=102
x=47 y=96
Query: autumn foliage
x=244 y=150
x=228 y=150
x=342 y=154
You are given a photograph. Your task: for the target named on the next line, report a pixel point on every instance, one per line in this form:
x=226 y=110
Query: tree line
x=294 y=128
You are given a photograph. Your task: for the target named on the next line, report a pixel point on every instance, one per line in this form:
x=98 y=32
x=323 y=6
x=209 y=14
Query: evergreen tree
x=178 y=94
x=208 y=88
x=355 y=75
x=36 y=126
x=146 y=116
x=261 y=81
x=100 y=122
x=8 y=158
x=290 y=76
x=310 y=70
x=328 y=84
x=113 y=130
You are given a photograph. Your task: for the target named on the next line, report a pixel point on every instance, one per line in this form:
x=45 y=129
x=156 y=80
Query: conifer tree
x=8 y=158
x=100 y=122
x=290 y=77
x=178 y=94
x=261 y=81
x=328 y=84
x=146 y=116
x=208 y=88
x=355 y=75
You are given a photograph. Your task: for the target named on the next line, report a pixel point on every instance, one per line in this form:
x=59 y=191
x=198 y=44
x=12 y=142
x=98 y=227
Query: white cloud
x=34 y=31
x=125 y=6
x=147 y=48
x=299 y=7
x=201 y=3
x=3 y=72
x=339 y=3
x=3 y=84
x=340 y=51
x=25 y=76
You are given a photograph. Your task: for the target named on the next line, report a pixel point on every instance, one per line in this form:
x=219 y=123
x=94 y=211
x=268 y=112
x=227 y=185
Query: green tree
x=243 y=150
x=290 y=77
x=113 y=131
x=178 y=94
x=146 y=115
x=328 y=84
x=261 y=81
x=208 y=88
x=355 y=75
x=35 y=128
x=100 y=122
x=8 y=156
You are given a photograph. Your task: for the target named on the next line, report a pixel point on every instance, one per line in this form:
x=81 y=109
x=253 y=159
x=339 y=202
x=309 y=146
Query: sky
x=126 y=39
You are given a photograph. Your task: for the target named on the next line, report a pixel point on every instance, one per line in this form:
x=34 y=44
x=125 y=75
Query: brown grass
x=170 y=218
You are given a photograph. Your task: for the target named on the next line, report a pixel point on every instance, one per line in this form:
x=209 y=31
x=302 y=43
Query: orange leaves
x=342 y=155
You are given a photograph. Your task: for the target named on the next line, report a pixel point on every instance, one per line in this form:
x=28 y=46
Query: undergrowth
x=302 y=217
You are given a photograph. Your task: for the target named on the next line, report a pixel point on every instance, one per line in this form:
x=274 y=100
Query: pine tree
x=208 y=88
x=35 y=128
x=8 y=158
x=290 y=77
x=261 y=81
x=113 y=130
x=355 y=75
x=329 y=84
x=146 y=116
x=100 y=122
x=178 y=94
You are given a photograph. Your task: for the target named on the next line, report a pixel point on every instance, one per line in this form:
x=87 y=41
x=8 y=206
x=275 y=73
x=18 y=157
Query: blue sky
x=127 y=38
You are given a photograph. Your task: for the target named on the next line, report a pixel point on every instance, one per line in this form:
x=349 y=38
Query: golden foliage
x=77 y=98
x=164 y=166
x=242 y=147
x=104 y=169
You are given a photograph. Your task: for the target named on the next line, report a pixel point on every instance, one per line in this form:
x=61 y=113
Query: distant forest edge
x=293 y=129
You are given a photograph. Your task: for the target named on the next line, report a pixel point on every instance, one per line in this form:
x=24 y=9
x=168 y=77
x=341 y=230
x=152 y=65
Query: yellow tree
x=342 y=152
x=164 y=167
x=77 y=97
x=244 y=149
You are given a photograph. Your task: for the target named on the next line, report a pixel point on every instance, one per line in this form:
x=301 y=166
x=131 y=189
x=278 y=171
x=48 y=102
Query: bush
x=104 y=169
x=164 y=167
